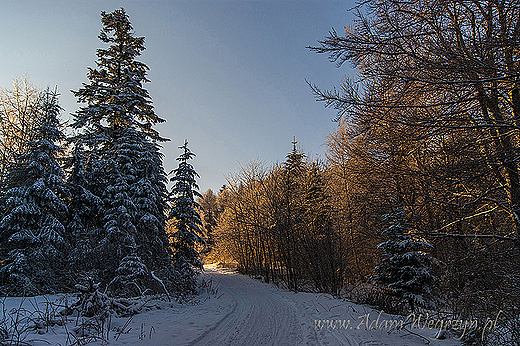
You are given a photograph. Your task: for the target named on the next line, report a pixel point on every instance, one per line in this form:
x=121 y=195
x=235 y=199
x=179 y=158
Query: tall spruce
x=32 y=231
x=406 y=268
x=124 y=164
x=186 y=226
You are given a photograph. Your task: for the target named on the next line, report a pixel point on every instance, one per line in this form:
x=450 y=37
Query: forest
x=416 y=206
x=88 y=204
x=417 y=203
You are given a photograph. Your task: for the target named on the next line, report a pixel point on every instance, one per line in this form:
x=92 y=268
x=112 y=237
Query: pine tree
x=33 y=227
x=186 y=230
x=406 y=267
x=294 y=166
x=124 y=166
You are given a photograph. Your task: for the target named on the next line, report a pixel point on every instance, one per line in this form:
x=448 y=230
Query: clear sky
x=229 y=76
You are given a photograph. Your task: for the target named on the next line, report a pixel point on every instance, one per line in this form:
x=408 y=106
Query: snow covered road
x=237 y=310
x=259 y=316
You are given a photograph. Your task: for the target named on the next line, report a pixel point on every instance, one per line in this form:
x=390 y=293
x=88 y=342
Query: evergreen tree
x=115 y=96
x=210 y=211
x=406 y=268
x=124 y=166
x=150 y=194
x=320 y=243
x=290 y=217
x=33 y=228
x=186 y=230
x=294 y=166
x=84 y=212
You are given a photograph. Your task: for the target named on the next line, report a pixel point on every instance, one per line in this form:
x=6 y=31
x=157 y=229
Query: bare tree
x=277 y=223
x=432 y=115
x=443 y=66
x=20 y=115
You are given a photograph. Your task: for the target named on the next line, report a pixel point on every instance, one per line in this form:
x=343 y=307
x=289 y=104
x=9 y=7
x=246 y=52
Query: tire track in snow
x=259 y=317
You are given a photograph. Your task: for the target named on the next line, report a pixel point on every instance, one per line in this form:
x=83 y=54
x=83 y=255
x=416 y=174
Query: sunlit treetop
x=114 y=95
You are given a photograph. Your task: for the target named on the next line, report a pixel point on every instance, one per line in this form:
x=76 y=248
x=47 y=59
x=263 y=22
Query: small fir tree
x=33 y=228
x=186 y=226
x=132 y=276
x=406 y=267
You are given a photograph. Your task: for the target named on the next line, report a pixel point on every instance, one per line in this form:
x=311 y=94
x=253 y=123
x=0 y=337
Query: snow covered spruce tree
x=32 y=231
x=85 y=210
x=406 y=269
x=124 y=166
x=186 y=226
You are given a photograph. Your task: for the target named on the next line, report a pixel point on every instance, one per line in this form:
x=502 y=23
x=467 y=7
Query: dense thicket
x=432 y=118
x=278 y=224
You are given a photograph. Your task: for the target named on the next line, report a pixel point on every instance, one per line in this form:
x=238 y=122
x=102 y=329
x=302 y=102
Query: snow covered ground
x=237 y=310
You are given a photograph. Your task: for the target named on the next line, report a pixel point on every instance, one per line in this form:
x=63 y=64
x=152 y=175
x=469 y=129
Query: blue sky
x=229 y=76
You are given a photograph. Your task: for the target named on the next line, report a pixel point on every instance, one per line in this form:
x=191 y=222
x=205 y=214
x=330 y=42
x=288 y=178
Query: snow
x=234 y=309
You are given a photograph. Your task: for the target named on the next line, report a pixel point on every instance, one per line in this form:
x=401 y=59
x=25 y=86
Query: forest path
x=261 y=314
